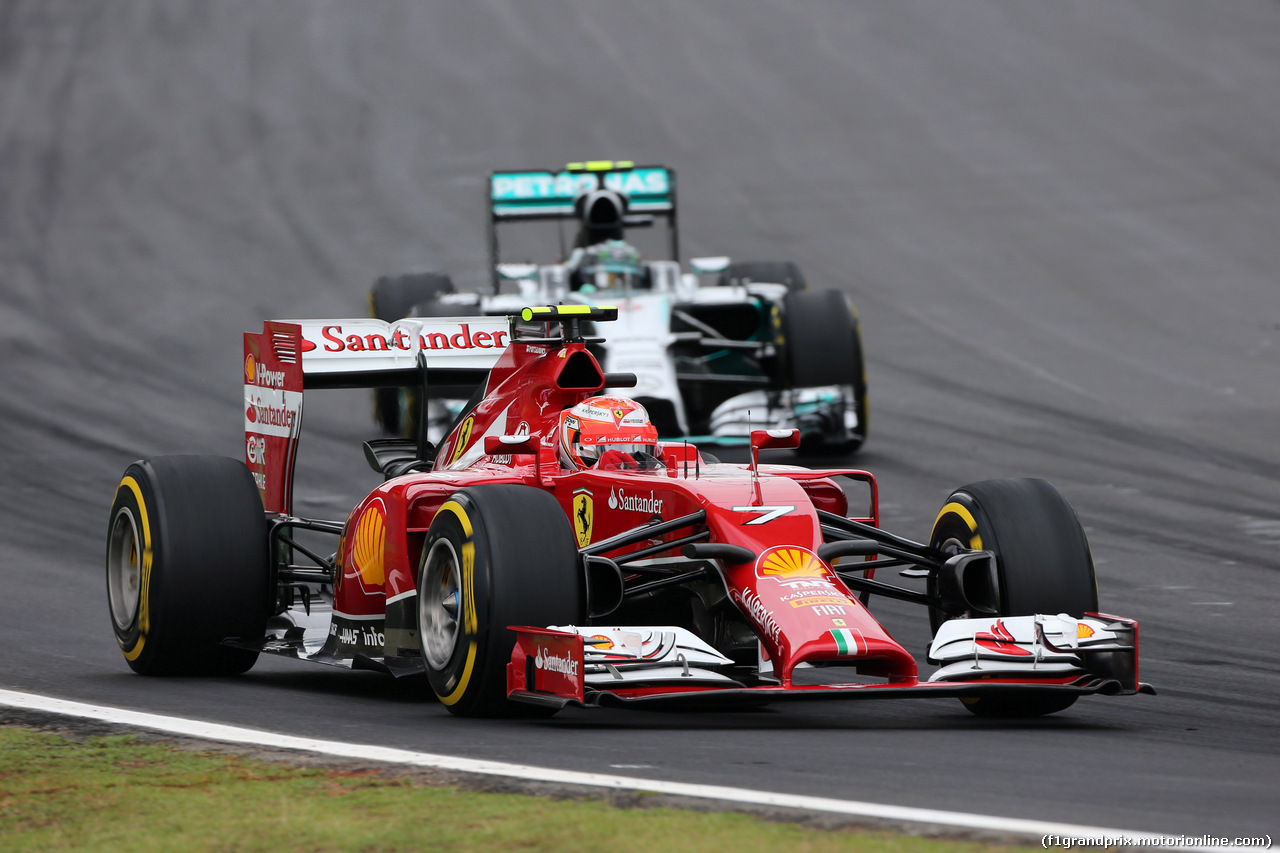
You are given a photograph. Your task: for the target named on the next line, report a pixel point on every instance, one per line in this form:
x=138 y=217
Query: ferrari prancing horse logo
x=584 y=513
x=464 y=435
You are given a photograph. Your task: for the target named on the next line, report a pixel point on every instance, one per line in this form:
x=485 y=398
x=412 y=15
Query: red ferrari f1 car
x=551 y=551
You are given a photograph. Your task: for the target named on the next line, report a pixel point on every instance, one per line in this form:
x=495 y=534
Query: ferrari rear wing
x=289 y=356
x=370 y=353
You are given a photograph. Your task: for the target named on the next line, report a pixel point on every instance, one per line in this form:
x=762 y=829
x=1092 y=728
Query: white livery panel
x=363 y=344
x=1024 y=646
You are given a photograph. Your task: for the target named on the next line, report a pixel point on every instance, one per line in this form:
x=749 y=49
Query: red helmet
x=609 y=431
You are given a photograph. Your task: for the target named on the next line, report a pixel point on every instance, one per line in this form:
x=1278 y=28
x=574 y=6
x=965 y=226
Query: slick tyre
x=495 y=556
x=396 y=409
x=822 y=345
x=1043 y=563
x=187 y=565
x=392 y=298
x=771 y=272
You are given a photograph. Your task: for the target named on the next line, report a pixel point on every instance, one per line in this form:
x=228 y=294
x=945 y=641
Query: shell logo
x=339 y=573
x=1083 y=631
x=367 y=544
x=787 y=563
x=600 y=642
x=250 y=370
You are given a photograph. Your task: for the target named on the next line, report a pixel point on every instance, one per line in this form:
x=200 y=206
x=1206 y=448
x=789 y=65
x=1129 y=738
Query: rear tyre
x=1043 y=564
x=822 y=344
x=771 y=272
x=187 y=565
x=392 y=298
x=495 y=556
x=396 y=409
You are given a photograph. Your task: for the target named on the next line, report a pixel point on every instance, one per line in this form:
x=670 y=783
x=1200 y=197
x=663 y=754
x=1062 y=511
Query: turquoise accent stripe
x=516 y=193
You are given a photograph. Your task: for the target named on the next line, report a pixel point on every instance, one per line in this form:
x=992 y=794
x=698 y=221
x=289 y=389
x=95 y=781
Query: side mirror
x=516 y=272
x=769 y=439
x=775 y=439
x=512 y=444
x=709 y=265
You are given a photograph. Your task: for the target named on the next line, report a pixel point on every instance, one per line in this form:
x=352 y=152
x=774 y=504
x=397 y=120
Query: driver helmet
x=608 y=432
x=611 y=265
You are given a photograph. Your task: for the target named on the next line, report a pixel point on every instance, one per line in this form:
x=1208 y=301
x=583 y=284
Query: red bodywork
x=790 y=596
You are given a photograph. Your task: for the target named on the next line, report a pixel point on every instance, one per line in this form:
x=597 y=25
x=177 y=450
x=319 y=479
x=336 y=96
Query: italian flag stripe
x=845 y=641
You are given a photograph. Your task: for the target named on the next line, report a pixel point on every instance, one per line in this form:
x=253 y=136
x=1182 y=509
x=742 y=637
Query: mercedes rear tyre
x=187 y=565
x=396 y=409
x=495 y=556
x=392 y=298
x=1043 y=564
x=822 y=347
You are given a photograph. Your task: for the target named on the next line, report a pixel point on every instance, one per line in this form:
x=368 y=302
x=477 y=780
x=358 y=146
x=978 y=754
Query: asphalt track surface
x=1058 y=220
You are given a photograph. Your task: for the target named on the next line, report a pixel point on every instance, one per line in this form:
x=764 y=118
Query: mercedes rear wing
x=290 y=356
x=529 y=195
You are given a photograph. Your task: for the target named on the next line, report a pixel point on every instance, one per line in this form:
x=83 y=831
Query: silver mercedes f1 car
x=720 y=347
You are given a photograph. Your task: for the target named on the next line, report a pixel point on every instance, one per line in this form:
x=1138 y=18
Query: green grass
x=121 y=793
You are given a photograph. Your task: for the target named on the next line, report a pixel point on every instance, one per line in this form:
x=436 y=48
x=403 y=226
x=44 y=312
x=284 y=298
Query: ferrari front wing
x=671 y=668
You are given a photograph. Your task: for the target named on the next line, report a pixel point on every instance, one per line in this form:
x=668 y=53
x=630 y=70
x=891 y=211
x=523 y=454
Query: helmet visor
x=623 y=455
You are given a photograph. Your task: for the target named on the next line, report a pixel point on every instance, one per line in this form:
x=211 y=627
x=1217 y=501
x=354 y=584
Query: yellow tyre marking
x=975 y=541
x=470 y=621
x=144 y=594
x=453 y=697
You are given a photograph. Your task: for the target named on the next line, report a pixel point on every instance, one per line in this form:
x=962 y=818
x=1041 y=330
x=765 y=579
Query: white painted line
x=1033 y=829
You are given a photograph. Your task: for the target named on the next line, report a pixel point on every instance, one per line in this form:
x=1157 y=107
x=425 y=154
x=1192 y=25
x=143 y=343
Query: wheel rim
x=124 y=570
x=439 y=603
x=951 y=546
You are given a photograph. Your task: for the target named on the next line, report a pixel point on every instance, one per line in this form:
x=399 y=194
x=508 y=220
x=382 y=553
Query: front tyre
x=495 y=556
x=187 y=565
x=822 y=345
x=1043 y=564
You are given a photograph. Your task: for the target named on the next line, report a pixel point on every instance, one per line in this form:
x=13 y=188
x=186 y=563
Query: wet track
x=1058 y=222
